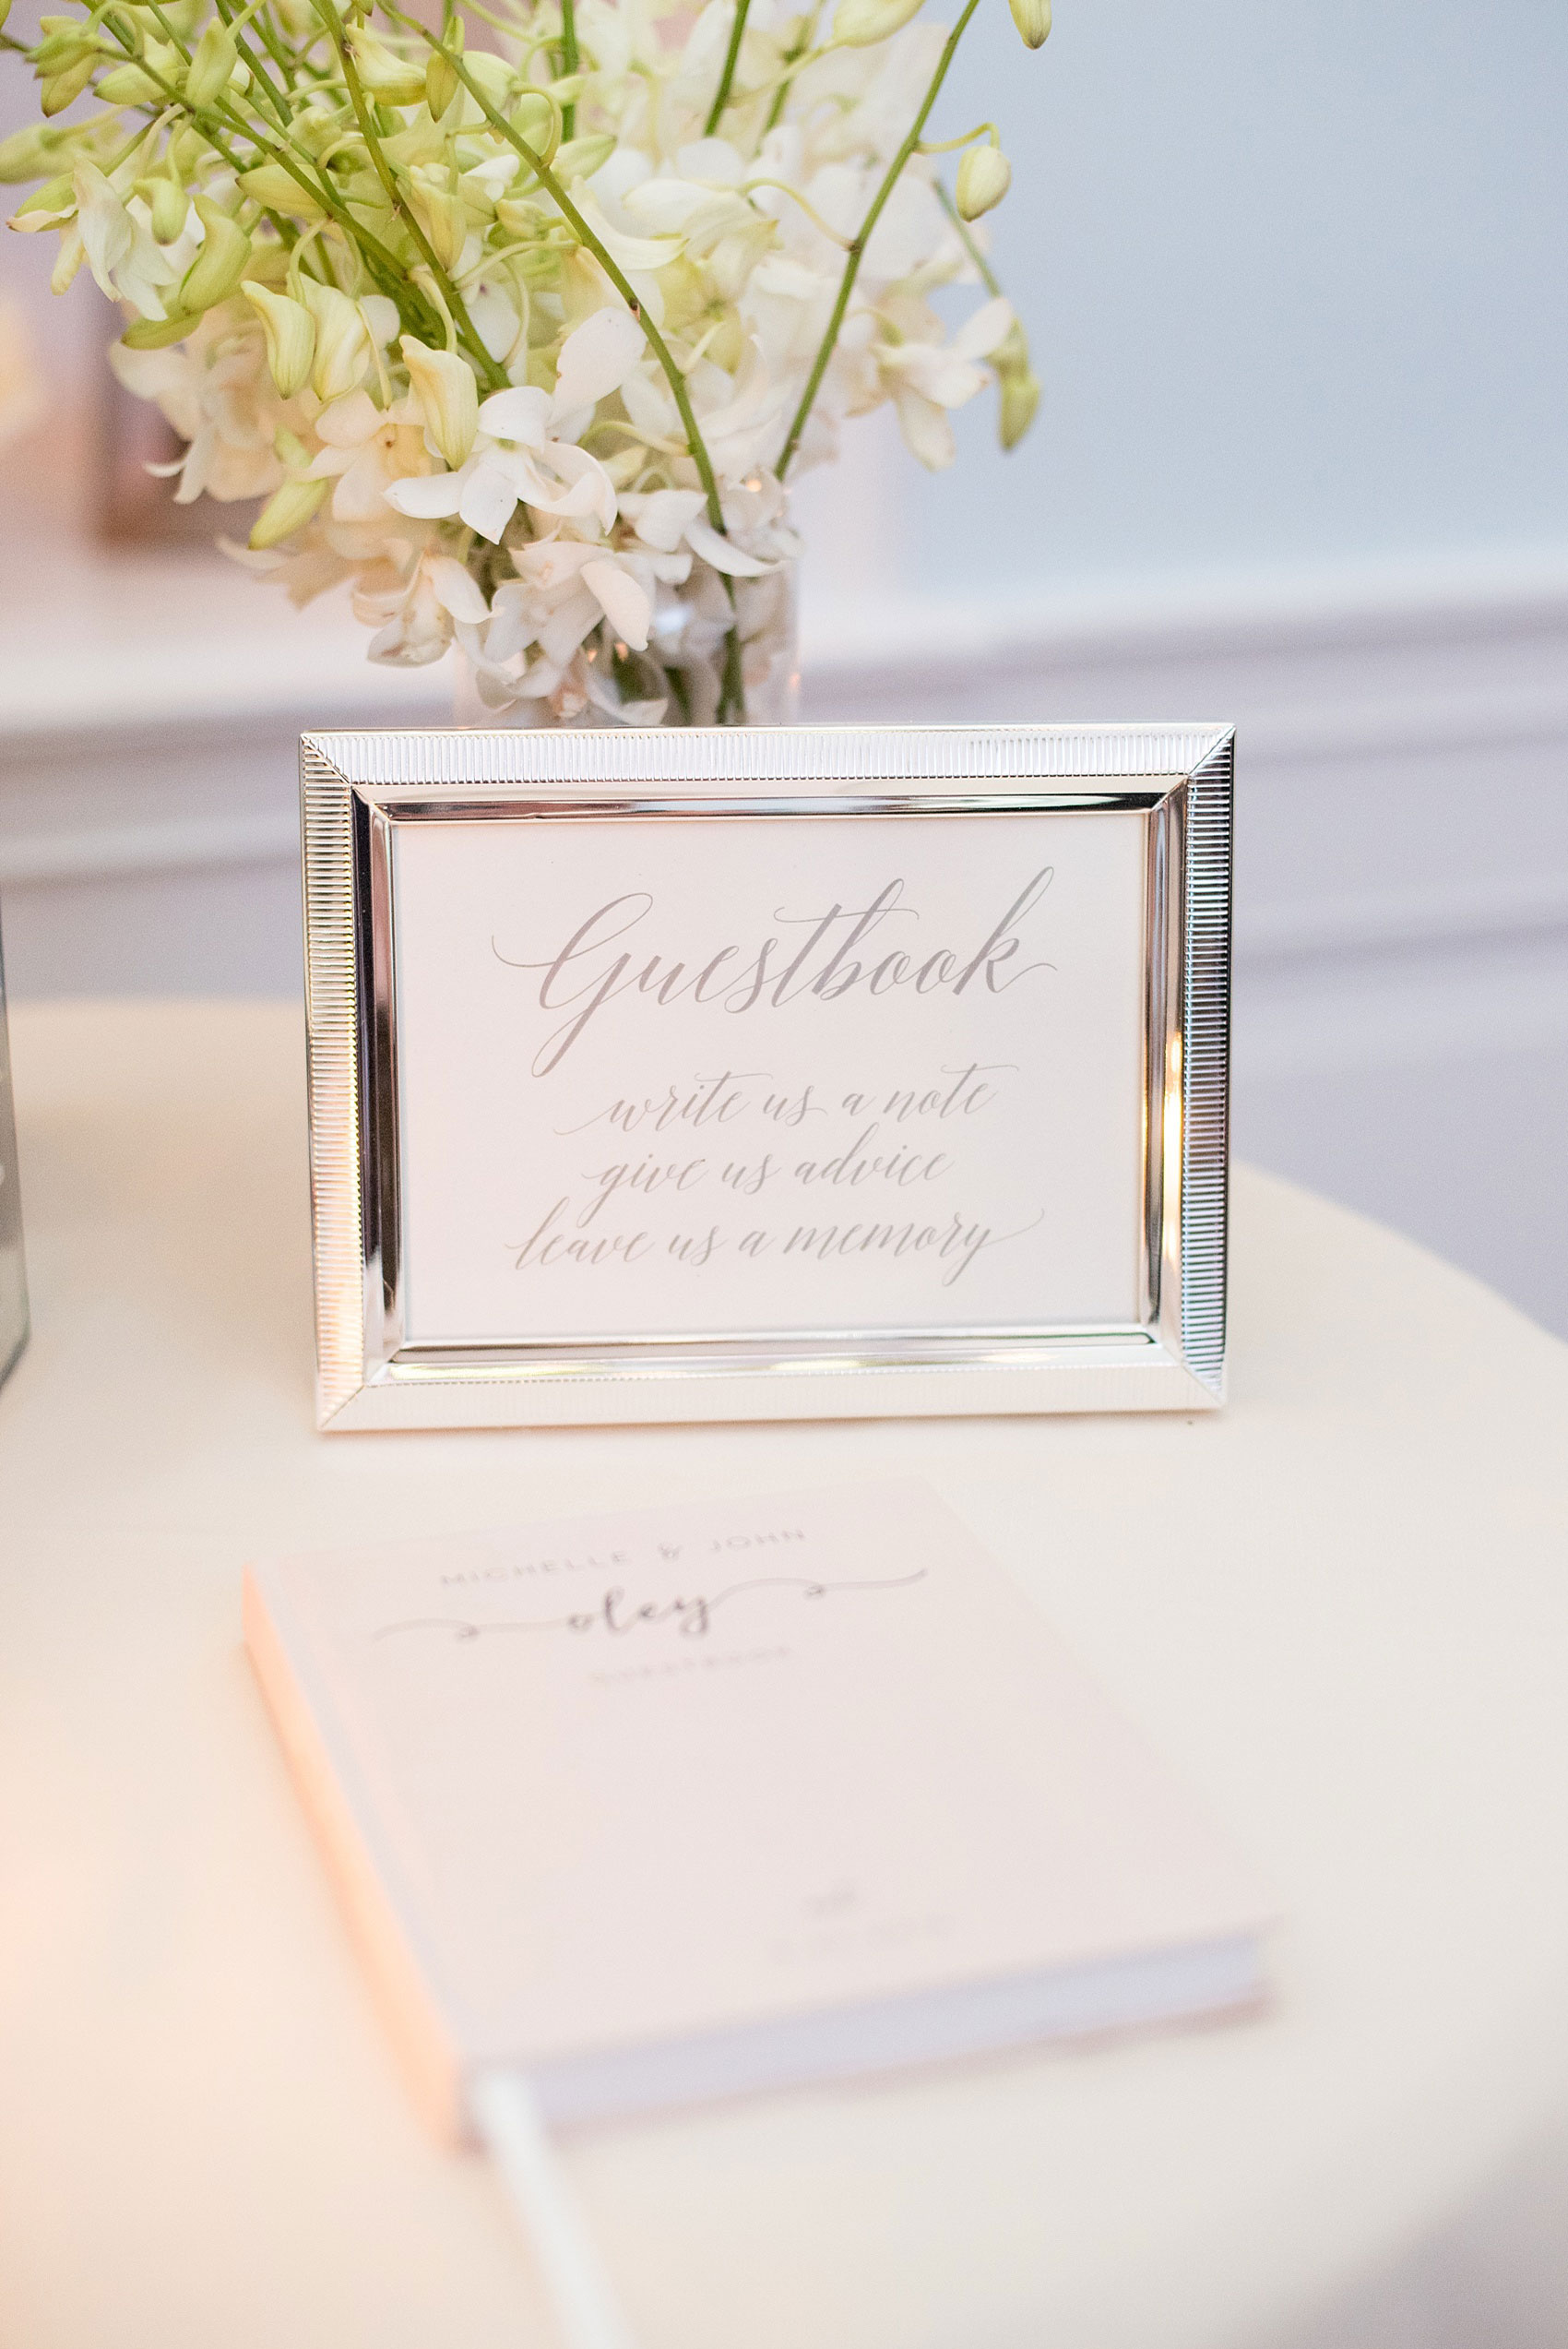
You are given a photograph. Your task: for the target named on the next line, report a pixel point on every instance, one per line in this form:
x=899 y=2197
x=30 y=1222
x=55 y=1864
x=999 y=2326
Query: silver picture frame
x=356 y=788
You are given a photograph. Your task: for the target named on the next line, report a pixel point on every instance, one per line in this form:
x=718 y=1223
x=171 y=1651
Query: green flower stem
x=273 y=45
x=568 y=62
x=863 y=237
x=732 y=708
x=489 y=370
x=812 y=215
x=988 y=275
x=731 y=55
x=258 y=73
x=948 y=146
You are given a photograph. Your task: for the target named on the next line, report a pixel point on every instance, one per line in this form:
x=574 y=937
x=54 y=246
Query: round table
x=1339 y=1607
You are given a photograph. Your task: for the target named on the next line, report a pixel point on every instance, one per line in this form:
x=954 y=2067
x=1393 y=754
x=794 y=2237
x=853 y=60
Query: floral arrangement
x=525 y=340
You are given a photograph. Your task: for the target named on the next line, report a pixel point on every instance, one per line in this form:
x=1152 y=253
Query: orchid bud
x=128 y=86
x=495 y=76
x=161 y=59
x=520 y=217
x=62 y=89
x=290 y=335
x=166 y=199
x=1033 y=20
x=441 y=83
x=397 y=81
x=342 y=339
x=285 y=511
x=67 y=41
x=580 y=158
x=448 y=396
x=1020 y=398
x=221 y=262
x=54 y=202
x=858 y=24
x=215 y=58
x=276 y=190
x=984 y=178
x=1018 y=384
x=28 y=152
x=441 y=215
x=537 y=124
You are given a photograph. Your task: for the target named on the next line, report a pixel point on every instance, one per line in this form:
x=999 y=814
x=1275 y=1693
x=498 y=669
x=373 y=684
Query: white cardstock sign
x=685 y=1092
x=799 y=1075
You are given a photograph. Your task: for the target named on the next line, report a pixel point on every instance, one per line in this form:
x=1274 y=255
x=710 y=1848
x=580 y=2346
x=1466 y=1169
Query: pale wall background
x=1297 y=277
x=1297 y=280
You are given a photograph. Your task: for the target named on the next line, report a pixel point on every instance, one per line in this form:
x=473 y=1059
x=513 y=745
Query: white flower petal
x=660 y=518
x=649 y=406
x=627 y=607
x=721 y=552
x=381 y=317
x=520 y=414
x=713 y=160
x=926 y=430
x=454 y=589
x=596 y=359
x=545 y=563
x=978 y=335
x=567 y=625
x=428 y=497
x=569 y=482
x=348 y=420
x=488 y=500
x=629 y=253
x=105 y=223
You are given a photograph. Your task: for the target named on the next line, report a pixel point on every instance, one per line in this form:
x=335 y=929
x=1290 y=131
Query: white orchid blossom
x=369 y=453
x=214 y=390
x=526 y=452
x=513 y=462
x=924 y=378
x=121 y=250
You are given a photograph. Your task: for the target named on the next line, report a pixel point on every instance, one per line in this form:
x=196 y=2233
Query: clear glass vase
x=708 y=662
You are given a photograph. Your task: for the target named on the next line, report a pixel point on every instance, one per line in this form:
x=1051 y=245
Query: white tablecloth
x=1340 y=1608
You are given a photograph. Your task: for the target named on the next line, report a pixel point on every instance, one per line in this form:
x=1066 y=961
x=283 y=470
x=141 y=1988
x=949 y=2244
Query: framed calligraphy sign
x=768 y=1073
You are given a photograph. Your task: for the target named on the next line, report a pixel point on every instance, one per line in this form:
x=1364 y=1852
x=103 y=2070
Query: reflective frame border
x=356 y=788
